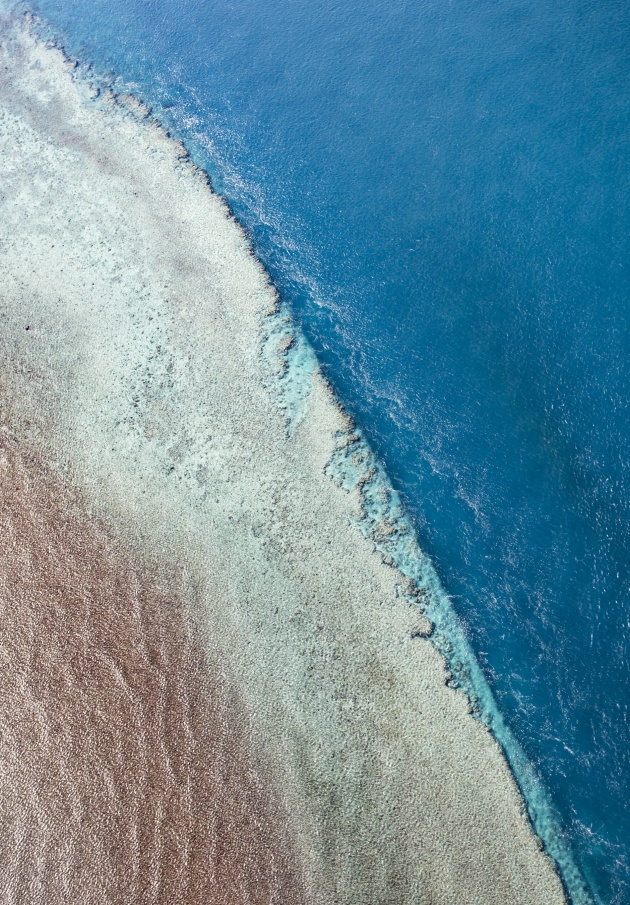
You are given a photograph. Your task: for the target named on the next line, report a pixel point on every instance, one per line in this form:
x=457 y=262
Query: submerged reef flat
x=175 y=539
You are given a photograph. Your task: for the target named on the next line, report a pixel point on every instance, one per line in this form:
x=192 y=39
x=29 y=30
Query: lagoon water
x=440 y=190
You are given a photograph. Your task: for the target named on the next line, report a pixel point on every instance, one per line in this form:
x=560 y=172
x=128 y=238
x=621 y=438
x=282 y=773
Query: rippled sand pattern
x=125 y=770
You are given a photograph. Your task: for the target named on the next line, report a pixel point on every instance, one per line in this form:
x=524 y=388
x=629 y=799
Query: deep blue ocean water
x=440 y=189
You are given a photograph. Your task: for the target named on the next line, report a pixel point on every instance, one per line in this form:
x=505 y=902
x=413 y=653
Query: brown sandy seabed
x=131 y=768
x=127 y=771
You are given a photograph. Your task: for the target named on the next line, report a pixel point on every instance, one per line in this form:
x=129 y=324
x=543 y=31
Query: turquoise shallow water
x=440 y=191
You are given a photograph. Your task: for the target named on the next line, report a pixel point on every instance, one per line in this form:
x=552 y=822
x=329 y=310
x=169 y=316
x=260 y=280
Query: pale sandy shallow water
x=141 y=385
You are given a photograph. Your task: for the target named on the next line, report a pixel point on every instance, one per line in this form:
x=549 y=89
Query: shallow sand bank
x=128 y=768
x=141 y=380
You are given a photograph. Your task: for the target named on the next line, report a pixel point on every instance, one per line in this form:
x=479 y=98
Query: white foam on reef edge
x=354 y=467
x=383 y=520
